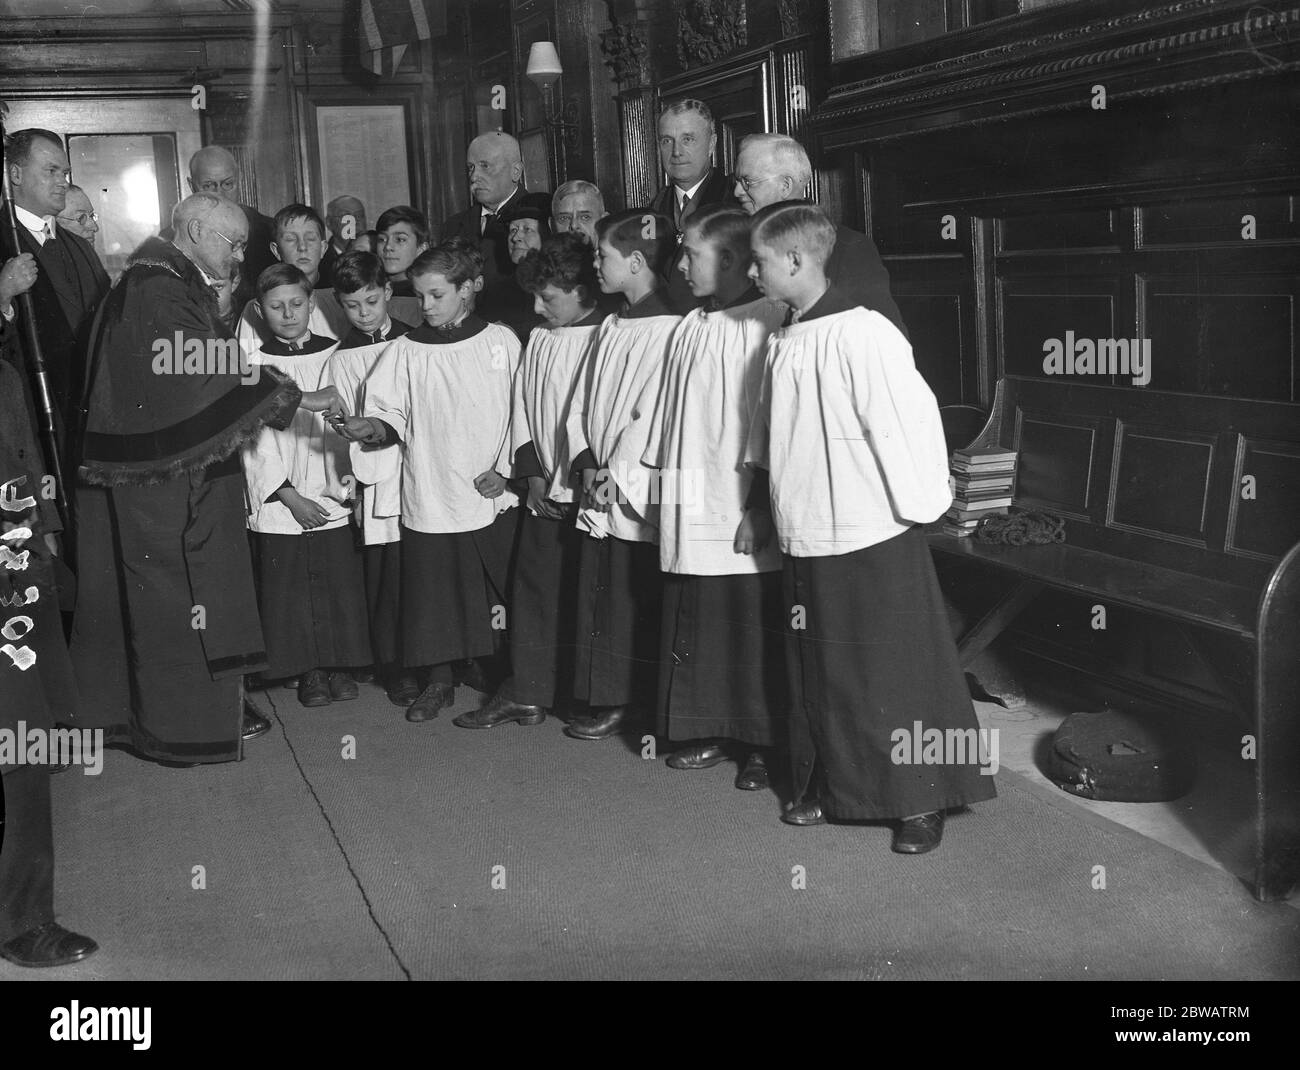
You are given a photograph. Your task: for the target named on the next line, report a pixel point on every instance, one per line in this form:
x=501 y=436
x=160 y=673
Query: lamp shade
x=543 y=64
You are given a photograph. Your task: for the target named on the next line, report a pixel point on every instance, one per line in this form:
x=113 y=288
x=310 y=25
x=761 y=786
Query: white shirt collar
x=497 y=210
x=682 y=194
x=35 y=223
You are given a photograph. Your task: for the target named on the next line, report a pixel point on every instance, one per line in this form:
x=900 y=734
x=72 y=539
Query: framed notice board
x=362 y=150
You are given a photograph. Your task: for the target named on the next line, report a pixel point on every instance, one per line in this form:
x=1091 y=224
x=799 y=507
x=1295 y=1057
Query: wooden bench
x=1182 y=506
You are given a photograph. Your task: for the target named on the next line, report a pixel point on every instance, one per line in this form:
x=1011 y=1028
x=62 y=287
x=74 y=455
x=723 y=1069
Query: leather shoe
x=433 y=698
x=342 y=687
x=805 y=813
x=597 y=726
x=314 y=688
x=916 y=835
x=753 y=776
x=255 y=723
x=403 y=690
x=48 y=945
x=499 y=710
x=702 y=755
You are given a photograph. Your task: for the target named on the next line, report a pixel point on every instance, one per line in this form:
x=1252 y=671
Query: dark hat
x=530 y=206
x=1122 y=757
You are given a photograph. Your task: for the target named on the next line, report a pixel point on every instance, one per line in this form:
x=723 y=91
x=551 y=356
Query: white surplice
x=309 y=454
x=850 y=433
x=549 y=374
x=378 y=472
x=697 y=438
x=449 y=404
x=611 y=416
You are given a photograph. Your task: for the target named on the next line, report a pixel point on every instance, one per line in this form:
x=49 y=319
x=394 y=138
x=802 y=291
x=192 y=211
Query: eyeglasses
x=749 y=183
x=235 y=246
x=83 y=219
x=226 y=185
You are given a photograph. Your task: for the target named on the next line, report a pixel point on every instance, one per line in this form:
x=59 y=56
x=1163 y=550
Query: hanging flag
x=387 y=27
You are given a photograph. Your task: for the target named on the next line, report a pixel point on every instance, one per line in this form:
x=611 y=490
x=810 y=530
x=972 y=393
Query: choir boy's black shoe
x=403 y=690
x=342 y=687
x=255 y=724
x=314 y=688
x=597 y=726
x=433 y=698
x=48 y=945
x=805 y=813
x=753 y=775
x=916 y=835
x=702 y=755
x=499 y=710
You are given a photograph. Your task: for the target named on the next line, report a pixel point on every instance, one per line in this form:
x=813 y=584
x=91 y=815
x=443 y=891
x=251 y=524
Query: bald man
x=346 y=218
x=775 y=167
x=166 y=623
x=214 y=170
x=496 y=173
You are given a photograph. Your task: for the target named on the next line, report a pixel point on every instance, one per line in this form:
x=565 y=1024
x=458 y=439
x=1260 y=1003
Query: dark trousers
x=619 y=590
x=27 y=858
x=542 y=609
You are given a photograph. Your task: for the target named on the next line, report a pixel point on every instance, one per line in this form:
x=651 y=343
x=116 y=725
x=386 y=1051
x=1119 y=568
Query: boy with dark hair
x=311 y=591
x=720 y=650
x=851 y=436
x=364 y=293
x=608 y=428
x=300 y=243
x=403 y=235
x=562 y=280
x=443 y=393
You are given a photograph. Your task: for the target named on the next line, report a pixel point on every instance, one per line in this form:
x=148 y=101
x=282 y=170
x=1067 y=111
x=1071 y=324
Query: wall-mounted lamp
x=561 y=120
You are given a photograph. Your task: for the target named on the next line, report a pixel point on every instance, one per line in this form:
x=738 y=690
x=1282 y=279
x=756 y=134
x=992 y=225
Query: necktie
x=49 y=230
x=488 y=219
x=682 y=205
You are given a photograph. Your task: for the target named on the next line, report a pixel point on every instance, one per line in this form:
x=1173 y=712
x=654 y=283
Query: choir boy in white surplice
x=299 y=242
x=720 y=676
x=850 y=437
x=311 y=592
x=443 y=392
x=363 y=292
x=608 y=427
x=562 y=279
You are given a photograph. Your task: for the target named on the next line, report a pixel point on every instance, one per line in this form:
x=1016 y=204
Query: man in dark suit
x=688 y=140
x=214 y=170
x=346 y=218
x=775 y=167
x=70 y=281
x=496 y=170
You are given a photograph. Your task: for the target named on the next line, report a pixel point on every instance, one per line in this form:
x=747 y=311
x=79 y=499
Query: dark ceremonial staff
x=41 y=377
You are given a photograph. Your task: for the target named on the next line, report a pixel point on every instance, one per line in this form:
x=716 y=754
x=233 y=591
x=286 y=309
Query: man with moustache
x=688 y=140
x=496 y=171
x=70 y=281
x=775 y=167
x=166 y=622
x=577 y=206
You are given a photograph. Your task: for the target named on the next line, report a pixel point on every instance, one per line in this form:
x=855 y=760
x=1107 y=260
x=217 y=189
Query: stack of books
x=983 y=479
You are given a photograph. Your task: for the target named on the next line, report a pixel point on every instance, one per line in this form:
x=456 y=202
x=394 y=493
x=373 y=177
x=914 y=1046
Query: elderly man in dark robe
x=166 y=622
x=775 y=167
